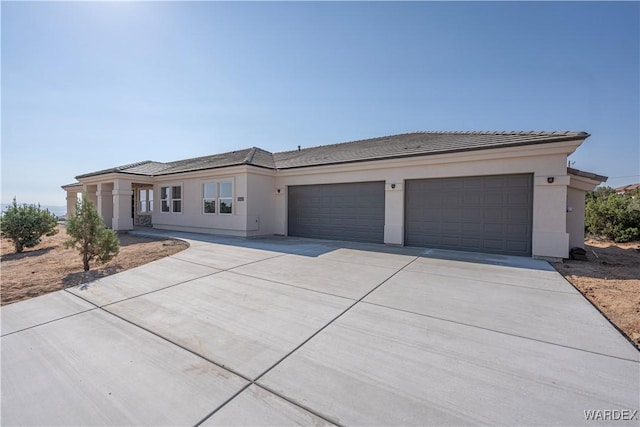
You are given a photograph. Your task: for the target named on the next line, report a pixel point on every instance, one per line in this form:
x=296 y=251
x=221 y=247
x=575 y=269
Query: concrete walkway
x=283 y=331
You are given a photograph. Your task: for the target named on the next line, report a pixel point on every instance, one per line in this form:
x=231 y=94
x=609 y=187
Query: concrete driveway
x=281 y=331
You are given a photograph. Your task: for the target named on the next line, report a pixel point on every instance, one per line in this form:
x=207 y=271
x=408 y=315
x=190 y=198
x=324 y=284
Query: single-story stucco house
x=496 y=192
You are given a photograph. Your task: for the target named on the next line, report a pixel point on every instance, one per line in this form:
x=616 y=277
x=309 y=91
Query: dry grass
x=50 y=267
x=611 y=281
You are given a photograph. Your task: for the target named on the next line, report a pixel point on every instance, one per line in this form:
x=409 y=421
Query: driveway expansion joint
x=501 y=332
x=492 y=282
x=49 y=321
x=287 y=284
x=333 y=320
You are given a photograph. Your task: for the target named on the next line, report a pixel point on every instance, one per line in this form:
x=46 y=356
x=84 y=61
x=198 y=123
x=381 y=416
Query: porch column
x=91 y=193
x=72 y=198
x=105 y=203
x=122 y=193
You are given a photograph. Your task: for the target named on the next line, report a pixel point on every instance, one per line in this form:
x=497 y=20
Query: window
x=176 y=199
x=217 y=198
x=171 y=199
x=145 y=200
x=209 y=199
x=226 y=198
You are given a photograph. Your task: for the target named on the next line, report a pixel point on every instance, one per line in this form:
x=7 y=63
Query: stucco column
x=91 y=191
x=122 y=193
x=104 y=203
x=72 y=198
x=394 y=213
x=550 y=237
x=280 y=211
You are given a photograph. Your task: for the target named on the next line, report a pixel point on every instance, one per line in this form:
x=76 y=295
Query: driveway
x=282 y=331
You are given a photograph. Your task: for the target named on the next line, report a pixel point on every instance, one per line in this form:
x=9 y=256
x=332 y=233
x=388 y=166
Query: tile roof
x=628 y=188
x=415 y=144
x=387 y=147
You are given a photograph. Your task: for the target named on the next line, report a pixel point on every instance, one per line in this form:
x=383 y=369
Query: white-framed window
x=209 y=193
x=225 y=197
x=145 y=200
x=171 y=199
x=217 y=198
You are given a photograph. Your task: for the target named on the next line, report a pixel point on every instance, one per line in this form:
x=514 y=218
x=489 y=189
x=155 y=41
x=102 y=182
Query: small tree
x=89 y=235
x=26 y=224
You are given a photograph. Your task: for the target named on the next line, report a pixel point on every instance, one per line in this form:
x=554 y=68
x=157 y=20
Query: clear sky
x=87 y=86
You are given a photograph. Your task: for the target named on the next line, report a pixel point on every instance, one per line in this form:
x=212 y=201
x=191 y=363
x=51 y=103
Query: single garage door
x=353 y=211
x=481 y=214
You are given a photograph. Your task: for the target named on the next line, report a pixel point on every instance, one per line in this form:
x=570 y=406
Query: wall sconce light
x=393 y=186
x=550 y=179
x=278 y=190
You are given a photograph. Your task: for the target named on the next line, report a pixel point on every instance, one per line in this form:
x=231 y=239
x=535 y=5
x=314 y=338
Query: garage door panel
x=488 y=213
x=352 y=211
x=516 y=245
x=517 y=197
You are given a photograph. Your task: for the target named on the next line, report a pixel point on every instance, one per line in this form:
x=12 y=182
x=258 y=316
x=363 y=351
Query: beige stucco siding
x=253 y=203
x=549 y=235
x=260 y=203
x=575 y=217
x=260 y=195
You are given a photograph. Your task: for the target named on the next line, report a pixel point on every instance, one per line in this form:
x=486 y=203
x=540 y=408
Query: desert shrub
x=26 y=224
x=613 y=216
x=89 y=235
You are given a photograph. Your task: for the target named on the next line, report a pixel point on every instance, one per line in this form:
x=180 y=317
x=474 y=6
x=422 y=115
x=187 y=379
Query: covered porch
x=120 y=202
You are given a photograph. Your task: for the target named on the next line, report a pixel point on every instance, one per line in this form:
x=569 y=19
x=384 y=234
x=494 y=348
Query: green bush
x=26 y=224
x=613 y=216
x=88 y=234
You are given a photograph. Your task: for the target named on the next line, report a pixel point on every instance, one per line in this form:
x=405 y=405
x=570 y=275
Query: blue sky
x=86 y=86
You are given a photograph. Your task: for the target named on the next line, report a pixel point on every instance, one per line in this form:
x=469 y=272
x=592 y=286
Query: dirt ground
x=611 y=281
x=50 y=267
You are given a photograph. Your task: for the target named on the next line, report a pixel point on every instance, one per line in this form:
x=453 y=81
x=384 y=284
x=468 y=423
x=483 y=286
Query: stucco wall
x=260 y=200
x=192 y=218
x=549 y=235
x=575 y=218
x=260 y=209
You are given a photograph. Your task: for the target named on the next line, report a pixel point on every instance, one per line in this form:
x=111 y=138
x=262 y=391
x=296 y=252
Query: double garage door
x=482 y=214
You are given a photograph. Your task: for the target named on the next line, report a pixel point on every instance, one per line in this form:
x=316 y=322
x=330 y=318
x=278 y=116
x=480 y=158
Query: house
x=627 y=188
x=495 y=192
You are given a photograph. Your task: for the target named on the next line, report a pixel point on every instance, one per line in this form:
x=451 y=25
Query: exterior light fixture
x=550 y=179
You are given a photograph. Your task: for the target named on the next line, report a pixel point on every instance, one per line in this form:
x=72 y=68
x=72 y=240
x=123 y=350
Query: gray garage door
x=482 y=214
x=353 y=211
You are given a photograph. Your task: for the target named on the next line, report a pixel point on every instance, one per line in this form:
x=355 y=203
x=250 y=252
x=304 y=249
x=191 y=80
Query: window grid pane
x=177 y=206
x=209 y=191
x=225 y=190
x=226 y=206
x=209 y=206
x=176 y=192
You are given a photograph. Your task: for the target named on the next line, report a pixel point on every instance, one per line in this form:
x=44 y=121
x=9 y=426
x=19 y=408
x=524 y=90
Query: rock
x=578 y=254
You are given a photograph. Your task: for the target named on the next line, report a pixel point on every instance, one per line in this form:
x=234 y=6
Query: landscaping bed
x=50 y=267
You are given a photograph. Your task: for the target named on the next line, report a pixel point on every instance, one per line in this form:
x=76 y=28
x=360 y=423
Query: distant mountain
x=56 y=210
